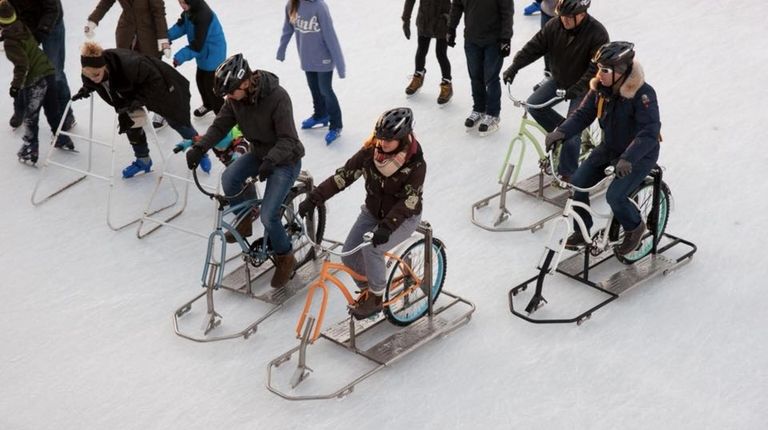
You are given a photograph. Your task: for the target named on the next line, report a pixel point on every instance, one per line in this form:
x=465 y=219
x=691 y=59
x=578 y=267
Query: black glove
x=571 y=93
x=407 y=29
x=194 y=155
x=509 y=75
x=553 y=138
x=82 y=93
x=266 y=169
x=450 y=38
x=306 y=207
x=14 y=91
x=505 y=45
x=124 y=122
x=381 y=235
x=623 y=168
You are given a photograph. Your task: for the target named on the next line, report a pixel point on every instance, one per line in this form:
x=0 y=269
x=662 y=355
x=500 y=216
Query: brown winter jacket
x=432 y=17
x=265 y=117
x=29 y=62
x=144 y=19
x=390 y=199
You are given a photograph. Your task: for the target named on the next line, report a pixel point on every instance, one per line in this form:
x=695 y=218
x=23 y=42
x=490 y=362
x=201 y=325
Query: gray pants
x=369 y=261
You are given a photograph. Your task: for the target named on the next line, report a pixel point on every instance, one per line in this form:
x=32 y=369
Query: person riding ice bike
x=392 y=163
x=628 y=113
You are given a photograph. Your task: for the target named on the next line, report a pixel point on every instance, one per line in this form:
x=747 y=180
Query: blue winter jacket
x=319 y=49
x=630 y=120
x=204 y=33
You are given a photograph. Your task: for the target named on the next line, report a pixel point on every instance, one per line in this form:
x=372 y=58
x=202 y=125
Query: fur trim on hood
x=629 y=88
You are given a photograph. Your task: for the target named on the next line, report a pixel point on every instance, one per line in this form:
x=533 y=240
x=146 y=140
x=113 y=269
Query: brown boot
x=631 y=240
x=416 y=82
x=446 y=92
x=245 y=228
x=367 y=305
x=284 y=265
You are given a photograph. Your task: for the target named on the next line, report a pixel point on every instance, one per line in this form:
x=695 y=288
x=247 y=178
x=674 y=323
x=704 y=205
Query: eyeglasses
x=604 y=70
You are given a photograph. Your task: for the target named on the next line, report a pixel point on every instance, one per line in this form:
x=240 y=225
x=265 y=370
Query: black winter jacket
x=135 y=80
x=432 y=17
x=40 y=16
x=485 y=21
x=570 y=52
x=265 y=117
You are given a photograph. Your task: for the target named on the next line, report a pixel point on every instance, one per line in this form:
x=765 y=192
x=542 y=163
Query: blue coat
x=629 y=120
x=206 y=37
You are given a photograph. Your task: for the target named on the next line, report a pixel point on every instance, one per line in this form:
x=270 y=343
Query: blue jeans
x=591 y=172
x=278 y=185
x=484 y=64
x=53 y=46
x=324 y=100
x=549 y=119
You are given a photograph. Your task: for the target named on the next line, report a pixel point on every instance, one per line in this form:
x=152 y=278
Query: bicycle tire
x=414 y=305
x=643 y=197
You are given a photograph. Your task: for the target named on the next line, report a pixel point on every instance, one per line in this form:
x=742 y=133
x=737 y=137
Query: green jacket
x=29 y=62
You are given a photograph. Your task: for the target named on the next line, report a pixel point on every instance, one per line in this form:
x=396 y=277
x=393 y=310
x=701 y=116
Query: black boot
x=575 y=241
x=368 y=304
x=631 y=240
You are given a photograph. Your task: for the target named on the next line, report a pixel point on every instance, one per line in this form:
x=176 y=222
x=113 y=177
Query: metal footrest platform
x=349 y=332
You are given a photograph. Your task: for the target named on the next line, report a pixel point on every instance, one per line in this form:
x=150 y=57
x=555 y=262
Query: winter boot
x=631 y=240
x=143 y=164
x=332 y=135
x=27 y=152
x=201 y=111
x=488 y=125
x=473 y=119
x=16 y=121
x=416 y=82
x=575 y=241
x=245 y=229
x=367 y=305
x=532 y=8
x=284 y=265
x=311 y=122
x=446 y=92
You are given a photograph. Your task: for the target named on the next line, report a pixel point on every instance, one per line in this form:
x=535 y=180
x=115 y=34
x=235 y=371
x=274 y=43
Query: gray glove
x=553 y=138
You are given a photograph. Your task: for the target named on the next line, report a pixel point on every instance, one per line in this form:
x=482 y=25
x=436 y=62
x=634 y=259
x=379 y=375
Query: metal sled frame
x=650 y=266
x=240 y=280
x=38 y=200
x=347 y=332
x=533 y=186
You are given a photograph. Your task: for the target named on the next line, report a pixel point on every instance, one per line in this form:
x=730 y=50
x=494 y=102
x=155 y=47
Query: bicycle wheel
x=313 y=225
x=413 y=305
x=643 y=198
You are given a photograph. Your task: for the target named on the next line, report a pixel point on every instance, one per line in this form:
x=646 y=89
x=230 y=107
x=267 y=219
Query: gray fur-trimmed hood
x=629 y=88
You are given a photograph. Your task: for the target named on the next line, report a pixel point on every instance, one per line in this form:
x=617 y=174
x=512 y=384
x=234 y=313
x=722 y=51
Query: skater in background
x=128 y=81
x=262 y=108
x=45 y=19
x=570 y=41
x=320 y=53
x=628 y=112
x=207 y=46
x=392 y=163
x=34 y=81
x=431 y=23
x=487 y=41
x=141 y=27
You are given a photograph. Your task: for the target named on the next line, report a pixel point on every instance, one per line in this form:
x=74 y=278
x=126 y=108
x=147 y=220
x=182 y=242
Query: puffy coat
x=144 y=19
x=206 y=39
x=29 y=62
x=432 y=17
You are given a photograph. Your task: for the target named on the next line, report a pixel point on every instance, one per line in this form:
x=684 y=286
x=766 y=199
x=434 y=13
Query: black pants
x=441 y=51
x=205 y=86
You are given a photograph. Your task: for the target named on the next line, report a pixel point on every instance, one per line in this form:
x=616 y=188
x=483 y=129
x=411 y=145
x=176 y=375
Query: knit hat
x=7 y=13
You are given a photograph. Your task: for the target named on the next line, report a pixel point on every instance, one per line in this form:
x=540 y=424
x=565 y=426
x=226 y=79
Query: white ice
x=85 y=312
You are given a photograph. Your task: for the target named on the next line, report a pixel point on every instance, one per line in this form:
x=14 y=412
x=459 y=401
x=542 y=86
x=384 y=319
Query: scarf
x=388 y=164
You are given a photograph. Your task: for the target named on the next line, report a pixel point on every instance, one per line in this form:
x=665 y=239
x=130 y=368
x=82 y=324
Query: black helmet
x=394 y=124
x=230 y=74
x=572 y=7
x=615 y=54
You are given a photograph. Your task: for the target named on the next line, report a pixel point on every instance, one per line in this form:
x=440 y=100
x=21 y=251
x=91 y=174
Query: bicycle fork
x=550 y=259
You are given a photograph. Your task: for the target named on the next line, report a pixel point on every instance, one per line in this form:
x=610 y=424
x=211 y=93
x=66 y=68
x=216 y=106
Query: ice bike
x=539 y=186
x=416 y=277
x=653 y=199
x=254 y=254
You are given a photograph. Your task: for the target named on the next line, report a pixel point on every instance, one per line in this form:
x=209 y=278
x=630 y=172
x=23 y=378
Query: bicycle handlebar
x=367 y=237
x=221 y=197
x=609 y=176
x=559 y=95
